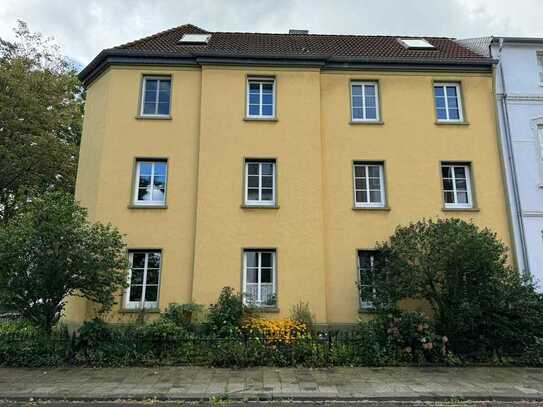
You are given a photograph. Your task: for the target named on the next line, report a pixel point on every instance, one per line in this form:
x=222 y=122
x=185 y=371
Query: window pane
x=446 y=171
x=164 y=108
x=267 y=169
x=451 y=91
x=145 y=168
x=151 y=293
x=267 y=88
x=360 y=171
x=267 y=181
x=267 y=194
x=453 y=103
x=138 y=260
x=136 y=276
x=266 y=259
x=152 y=276
x=375 y=183
x=460 y=172
x=441 y=114
x=151 y=85
x=254 y=110
x=357 y=113
x=252 y=194
x=361 y=197
x=160 y=181
x=135 y=293
x=440 y=103
x=454 y=114
x=164 y=96
x=447 y=184
x=254 y=87
x=357 y=101
x=266 y=276
x=373 y=171
x=252 y=168
x=462 y=197
x=360 y=183
x=267 y=99
x=449 y=197
x=370 y=101
x=150 y=97
x=145 y=180
x=252 y=275
x=144 y=194
x=370 y=90
x=439 y=91
x=461 y=185
x=371 y=113
x=364 y=259
x=254 y=99
x=252 y=181
x=356 y=90
x=165 y=85
x=267 y=110
x=375 y=196
x=149 y=108
x=158 y=195
x=251 y=260
x=160 y=168
x=153 y=260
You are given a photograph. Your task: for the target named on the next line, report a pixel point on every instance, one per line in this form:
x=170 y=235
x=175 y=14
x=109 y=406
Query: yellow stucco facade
x=314 y=229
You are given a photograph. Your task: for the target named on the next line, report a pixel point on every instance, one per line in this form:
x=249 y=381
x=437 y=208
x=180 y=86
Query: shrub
x=302 y=314
x=226 y=316
x=463 y=273
x=184 y=315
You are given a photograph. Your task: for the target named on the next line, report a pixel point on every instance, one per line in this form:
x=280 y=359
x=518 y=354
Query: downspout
x=511 y=160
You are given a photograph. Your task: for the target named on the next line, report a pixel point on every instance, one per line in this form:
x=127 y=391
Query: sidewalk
x=346 y=384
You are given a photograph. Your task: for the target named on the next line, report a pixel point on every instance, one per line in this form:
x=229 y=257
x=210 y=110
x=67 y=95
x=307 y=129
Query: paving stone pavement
x=340 y=384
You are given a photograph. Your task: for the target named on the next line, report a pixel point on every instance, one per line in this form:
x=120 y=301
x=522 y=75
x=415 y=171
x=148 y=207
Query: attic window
x=195 y=38
x=415 y=43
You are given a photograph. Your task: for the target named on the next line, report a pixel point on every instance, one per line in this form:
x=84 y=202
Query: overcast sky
x=84 y=27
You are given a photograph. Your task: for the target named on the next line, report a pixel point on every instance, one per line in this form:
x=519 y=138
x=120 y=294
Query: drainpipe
x=511 y=160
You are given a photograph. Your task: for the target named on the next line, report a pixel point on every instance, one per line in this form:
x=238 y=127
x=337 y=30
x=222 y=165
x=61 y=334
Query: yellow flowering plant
x=284 y=331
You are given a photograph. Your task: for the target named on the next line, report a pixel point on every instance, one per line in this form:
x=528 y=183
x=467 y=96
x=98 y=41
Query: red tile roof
x=309 y=47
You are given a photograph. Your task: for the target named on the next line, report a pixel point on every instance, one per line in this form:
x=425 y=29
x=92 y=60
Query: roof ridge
x=331 y=35
x=158 y=34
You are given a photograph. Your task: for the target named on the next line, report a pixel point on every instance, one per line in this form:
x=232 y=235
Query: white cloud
x=83 y=28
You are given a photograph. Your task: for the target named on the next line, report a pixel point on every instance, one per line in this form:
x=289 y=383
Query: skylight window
x=195 y=38
x=415 y=43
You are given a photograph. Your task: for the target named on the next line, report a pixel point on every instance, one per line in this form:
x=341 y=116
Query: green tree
x=49 y=251
x=477 y=298
x=41 y=110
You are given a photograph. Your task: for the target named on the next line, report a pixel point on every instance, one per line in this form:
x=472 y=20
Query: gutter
x=511 y=159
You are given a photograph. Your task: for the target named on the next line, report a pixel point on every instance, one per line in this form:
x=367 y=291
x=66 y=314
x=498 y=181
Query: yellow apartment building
x=273 y=163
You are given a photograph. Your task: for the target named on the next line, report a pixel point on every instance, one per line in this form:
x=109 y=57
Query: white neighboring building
x=519 y=91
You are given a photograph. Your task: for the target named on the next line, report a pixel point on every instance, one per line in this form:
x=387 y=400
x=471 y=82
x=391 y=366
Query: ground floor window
x=259 y=277
x=366 y=278
x=143 y=279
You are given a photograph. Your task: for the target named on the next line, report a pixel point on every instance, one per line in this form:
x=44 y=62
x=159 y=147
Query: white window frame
x=375 y=84
x=261 y=81
x=138 y=202
x=380 y=204
x=539 y=61
x=143 y=90
x=259 y=301
x=260 y=201
x=365 y=305
x=457 y=205
x=444 y=85
x=142 y=304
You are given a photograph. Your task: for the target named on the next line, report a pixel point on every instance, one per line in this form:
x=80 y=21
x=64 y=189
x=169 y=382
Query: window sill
x=246 y=206
x=367 y=310
x=136 y=206
x=269 y=310
x=260 y=119
x=445 y=209
x=438 y=123
x=366 y=122
x=139 y=310
x=371 y=208
x=140 y=117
